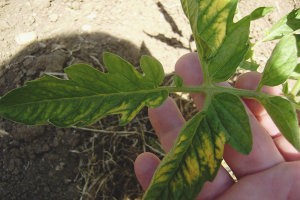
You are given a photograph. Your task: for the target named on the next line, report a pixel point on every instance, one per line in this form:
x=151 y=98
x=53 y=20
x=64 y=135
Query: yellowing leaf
x=221 y=43
x=198 y=151
x=232 y=51
x=213 y=17
x=89 y=95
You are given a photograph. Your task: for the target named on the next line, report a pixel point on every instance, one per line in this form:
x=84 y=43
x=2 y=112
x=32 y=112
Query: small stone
x=42 y=45
x=30 y=72
x=91 y=16
x=5 y=3
x=30 y=21
x=53 y=17
x=45 y=148
x=46 y=189
x=75 y=6
x=44 y=3
x=55 y=142
x=26 y=38
x=58 y=168
x=11 y=165
x=32 y=156
x=18 y=161
x=51 y=173
x=86 y=28
x=16 y=171
x=28 y=61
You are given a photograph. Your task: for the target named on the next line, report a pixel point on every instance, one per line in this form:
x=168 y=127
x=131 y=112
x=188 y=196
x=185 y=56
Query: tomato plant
x=223 y=45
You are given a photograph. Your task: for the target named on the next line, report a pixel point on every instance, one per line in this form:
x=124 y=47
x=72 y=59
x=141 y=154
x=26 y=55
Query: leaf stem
x=214 y=89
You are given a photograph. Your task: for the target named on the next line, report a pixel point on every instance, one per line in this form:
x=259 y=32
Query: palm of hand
x=271 y=171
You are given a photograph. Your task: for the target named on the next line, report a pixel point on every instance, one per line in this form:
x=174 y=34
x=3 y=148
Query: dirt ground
x=38 y=36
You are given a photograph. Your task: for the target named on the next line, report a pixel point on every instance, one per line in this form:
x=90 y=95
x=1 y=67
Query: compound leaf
x=198 y=150
x=89 y=95
x=284 y=116
x=285 y=26
x=282 y=62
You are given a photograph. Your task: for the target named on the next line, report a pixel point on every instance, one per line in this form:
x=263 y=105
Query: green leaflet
x=178 y=80
x=285 y=88
x=297 y=36
x=295 y=101
x=297 y=69
x=221 y=43
x=284 y=116
x=260 y=12
x=252 y=66
x=296 y=74
x=196 y=156
x=282 y=62
x=89 y=95
x=285 y=26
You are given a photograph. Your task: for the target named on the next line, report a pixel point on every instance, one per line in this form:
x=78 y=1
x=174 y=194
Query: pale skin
x=270 y=172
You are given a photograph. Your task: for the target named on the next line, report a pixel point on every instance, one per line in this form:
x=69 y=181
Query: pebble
x=91 y=16
x=53 y=17
x=28 y=61
x=46 y=189
x=11 y=165
x=30 y=21
x=55 y=142
x=43 y=45
x=86 y=28
x=26 y=38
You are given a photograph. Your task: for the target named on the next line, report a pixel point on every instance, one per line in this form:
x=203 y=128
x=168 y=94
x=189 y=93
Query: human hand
x=271 y=171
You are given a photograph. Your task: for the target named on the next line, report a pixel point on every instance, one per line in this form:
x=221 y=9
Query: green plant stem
x=214 y=89
x=257 y=43
x=296 y=88
x=259 y=87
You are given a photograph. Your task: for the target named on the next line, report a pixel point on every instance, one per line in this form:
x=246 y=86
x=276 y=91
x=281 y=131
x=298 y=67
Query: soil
x=45 y=36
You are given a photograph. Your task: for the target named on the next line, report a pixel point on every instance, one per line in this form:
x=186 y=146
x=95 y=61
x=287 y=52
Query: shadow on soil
x=45 y=162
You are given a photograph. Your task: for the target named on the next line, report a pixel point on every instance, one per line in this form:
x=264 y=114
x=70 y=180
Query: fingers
x=264 y=153
x=146 y=164
x=188 y=67
x=287 y=150
x=166 y=121
x=250 y=81
x=144 y=167
x=279 y=182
